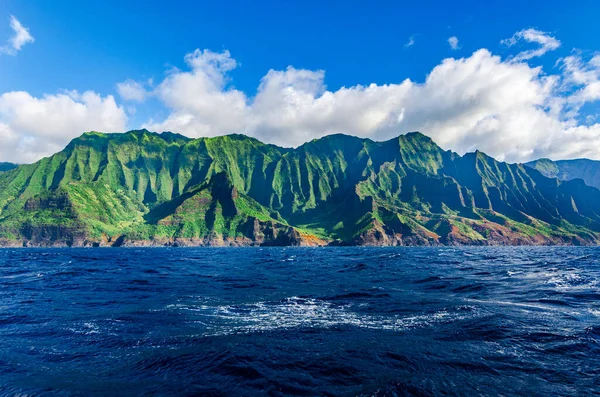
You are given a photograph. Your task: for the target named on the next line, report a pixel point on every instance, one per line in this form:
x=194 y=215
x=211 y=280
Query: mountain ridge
x=581 y=168
x=144 y=188
x=7 y=166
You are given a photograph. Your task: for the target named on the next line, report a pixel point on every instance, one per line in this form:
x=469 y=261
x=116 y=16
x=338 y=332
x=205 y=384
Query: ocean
x=351 y=321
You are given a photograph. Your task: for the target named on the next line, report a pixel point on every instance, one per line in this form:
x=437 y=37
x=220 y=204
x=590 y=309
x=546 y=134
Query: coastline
x=243 y=243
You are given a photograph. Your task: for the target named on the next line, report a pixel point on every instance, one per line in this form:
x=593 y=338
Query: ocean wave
x=298 y=312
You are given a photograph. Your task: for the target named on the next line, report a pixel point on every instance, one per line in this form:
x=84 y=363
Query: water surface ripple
x=300 y=321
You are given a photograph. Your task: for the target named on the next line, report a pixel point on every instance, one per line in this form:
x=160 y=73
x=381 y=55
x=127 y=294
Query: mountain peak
x=417 y=139
x=172 y=136
x=417 y=135
x=547 y=167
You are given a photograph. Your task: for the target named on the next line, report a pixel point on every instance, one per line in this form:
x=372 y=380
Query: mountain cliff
x=143 y=188
x=566 y=170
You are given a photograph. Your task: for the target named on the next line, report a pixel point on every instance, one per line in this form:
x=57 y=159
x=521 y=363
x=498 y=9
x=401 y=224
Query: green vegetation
x=566 y=170
x=146 y=188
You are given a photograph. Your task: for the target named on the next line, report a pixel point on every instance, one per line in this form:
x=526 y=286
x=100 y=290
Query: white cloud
x=131 y=90
x=506 y=108
x=584 y=76
x=201 y=102
x=453 y=41
x=31 y=128
x=410 y=42
x=544 y=40
x=18 y=40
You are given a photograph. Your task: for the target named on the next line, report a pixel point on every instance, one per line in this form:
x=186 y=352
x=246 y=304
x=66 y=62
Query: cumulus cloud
x=202 y=104
x=31 y=128
x=20 y=37
x=131 y=90
x=542 y=39
x=504 y=107
x=453 y=41
x=410 y=42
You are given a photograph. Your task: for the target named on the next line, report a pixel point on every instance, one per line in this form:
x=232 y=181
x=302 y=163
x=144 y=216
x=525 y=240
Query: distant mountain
x=143 y=188
x=566 y=170
x=7 y=166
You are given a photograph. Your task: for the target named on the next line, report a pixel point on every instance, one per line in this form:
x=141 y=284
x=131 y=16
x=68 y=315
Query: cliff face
x=142 y=188
x=566 y=170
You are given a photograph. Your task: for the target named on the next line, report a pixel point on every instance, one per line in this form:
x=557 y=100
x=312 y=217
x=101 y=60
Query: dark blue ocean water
x=299 y=321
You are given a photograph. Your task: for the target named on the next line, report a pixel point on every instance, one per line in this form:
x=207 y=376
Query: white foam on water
x=295 y=312
x=86 y=328
x=561 y=280
x=594 y=312
x=536 y=306
x=569 y=280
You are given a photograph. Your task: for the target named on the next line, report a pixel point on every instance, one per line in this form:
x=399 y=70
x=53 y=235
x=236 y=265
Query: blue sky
x=93 y=46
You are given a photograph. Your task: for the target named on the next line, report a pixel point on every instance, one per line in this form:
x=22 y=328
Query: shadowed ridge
x=172 y=137
x=417 y=136
x=585 y=169
x=7 y=166
x=421 y=153
x=331 y=139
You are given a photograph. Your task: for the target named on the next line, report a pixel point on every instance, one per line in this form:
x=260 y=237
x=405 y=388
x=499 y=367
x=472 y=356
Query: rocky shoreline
x=299 y=241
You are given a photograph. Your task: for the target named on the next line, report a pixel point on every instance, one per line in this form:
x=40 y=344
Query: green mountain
x=143 y=188
x=566 y=170
x=7 y=166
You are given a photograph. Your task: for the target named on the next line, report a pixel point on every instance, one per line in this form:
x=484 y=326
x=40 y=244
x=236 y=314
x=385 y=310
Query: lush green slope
x=142 y=188
x=566 y=170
